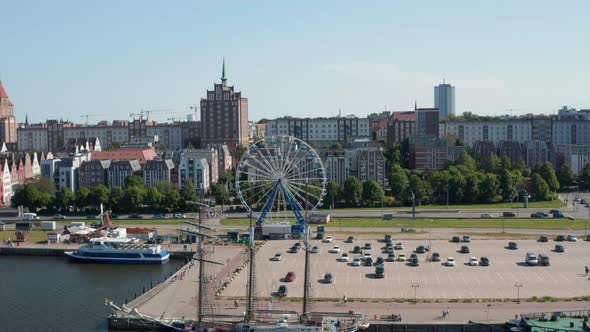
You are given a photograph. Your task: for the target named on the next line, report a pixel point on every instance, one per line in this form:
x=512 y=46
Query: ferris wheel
x=278 y=174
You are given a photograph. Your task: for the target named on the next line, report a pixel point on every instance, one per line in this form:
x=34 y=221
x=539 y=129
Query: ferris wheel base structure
x=277 y=173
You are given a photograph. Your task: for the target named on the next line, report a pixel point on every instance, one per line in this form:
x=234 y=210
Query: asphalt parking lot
x=432 y=280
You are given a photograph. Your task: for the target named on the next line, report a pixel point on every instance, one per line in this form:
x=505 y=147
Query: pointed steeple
x=27 y=120
x=223 y=78
x=415 y=104
x=4 y=95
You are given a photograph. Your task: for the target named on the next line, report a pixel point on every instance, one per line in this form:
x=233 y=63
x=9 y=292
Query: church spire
x=27 y=120
x=223 y=78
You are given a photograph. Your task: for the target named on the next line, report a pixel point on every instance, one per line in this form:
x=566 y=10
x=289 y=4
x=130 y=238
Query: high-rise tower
x=7 y=120
x=444 y=99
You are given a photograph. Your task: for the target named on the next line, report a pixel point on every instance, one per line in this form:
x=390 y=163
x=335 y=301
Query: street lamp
x=415 y=285
x=413 y=205
x=518 y=285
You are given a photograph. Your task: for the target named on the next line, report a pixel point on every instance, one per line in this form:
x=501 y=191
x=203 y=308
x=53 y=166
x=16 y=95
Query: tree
x=225 y=177
x=466 y=160
x=82 y=197
x=220 y=193
x=584 y=178
x=372 y=192
x=565 y=177
x=420 y=188
x=507 y=187
x=398 y=181
x=64 y=199
x=494 y=164
x=30 y=197
x=488 y=188
x=472 y=187
x=506 y=163
x=541 y=190
x=153 y=198
x=332 y=194
x=99 y=195
x=188 y=193
x=133 y=180
x=44 y=184
x=546 y=171
x=352 y=191
x=171 y=200
x=115 y=146
x=133 y=198
x=116 y=199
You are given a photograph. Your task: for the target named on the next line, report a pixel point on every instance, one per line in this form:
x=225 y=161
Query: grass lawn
x=418 y=224
x=34 y=236
x=547 y=204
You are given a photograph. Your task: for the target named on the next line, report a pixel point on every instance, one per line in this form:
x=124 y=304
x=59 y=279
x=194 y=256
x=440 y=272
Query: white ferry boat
x=119 y=253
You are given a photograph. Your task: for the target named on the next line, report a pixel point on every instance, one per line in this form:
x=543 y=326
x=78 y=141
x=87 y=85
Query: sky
x=64 y=59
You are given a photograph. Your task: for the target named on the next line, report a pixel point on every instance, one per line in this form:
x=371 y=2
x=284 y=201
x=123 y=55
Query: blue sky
x=302 y=58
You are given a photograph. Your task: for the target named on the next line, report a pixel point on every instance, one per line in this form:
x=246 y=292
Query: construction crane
x=133 y=115
x=161 y=111
x=88 y=116
x=513 y=109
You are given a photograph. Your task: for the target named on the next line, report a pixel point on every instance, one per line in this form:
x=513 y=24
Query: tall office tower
x=444 y=99
x=224 y=115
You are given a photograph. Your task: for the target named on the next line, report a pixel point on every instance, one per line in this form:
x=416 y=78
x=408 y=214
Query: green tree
x=565 y=176
x=171 y=200
x=225 y=177
x=398 y=181
x=332 y=194
x=132 y=198
x=584 y=178
x=372 y=192
x=115 y=146
x=546 y=171
x=133 y=180
x=29 y=196
x=220 y=193
x=188 y=193
x=64 y=199
x=488 y=188
x=541 y=190
x=99 y=195
x=352 y=191
x=82 y=198
x=493 y=165
x=507 y=187
x=44 y=184
x=466 y=160
x=420 y=188
x=153 y=198
x=506 y=163
x=472 y=187
x=116 y=199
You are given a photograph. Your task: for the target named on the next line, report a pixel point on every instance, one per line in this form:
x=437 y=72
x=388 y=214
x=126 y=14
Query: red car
x=290 y=276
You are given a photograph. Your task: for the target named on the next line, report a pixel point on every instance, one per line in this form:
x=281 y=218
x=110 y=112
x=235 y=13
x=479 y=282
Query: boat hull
x=74 y=257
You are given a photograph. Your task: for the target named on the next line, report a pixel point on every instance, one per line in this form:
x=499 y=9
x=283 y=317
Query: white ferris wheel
x=279 y=174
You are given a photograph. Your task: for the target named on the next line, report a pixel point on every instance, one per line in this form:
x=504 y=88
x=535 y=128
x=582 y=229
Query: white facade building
x=469 y=132
x=321 y=131
x=168 y=134
x=196 y=170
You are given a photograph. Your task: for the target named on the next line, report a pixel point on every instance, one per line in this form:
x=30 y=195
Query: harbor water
x=52 y=294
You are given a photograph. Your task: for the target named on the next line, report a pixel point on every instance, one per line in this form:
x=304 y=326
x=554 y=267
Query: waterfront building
x=196 y=170
x=444 y=99
x=224 y=115
x=119 y=170
x=208 y=153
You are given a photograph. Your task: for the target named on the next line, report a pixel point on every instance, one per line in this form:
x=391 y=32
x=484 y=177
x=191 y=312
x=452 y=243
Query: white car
x=367 y=255
x=277 y=257
x=335 y=250
x=328 y=239
x=356 y=262
x=472 y=261
x=572 y=238
x=179 y=216
x=399 y=246
x=344 y=257
x=450 y=261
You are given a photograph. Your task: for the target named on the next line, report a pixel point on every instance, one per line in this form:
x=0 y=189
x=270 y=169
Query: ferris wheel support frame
x=290 y=200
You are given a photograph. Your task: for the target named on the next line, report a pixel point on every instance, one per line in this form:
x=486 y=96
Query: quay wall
x=60 y=252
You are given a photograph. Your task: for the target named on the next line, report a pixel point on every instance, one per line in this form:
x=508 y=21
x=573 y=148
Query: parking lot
x=431 y=280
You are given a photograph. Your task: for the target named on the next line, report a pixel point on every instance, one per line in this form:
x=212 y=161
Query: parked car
x=379 y=260
x=366 y=256
x=559 y=248
x=484 y=261
x=543 y=238
x=544 y=260
x=344 y=257
x=531 y=259
x=512 y=245
x=59 y=217
x=587 y=237
x=572 y=238
x=401 y=257
x=435 y=257
x=335 y=250
x=356 y=262
x=277 y=257
x=466 y=238
x=450 y=261
x=160 y=216
x=487 y=216
x=290 y=276
x=465 y=250
x=536 y=215
x=554 y=211
x=315 y=250
x=328 y=278
x=455 y=239
x=350 y=239
x=179 y=216
x=391 y=258
x=473 y=261
x=414 y=260
x=282 y=291
x=543 y=214
x=508 y=214
x=399 y=246
x=294 y=249
x=389 y=249
x=560 y=238
x=420 y=249
x=368 y=246
x=327 y=239
x=357 y=250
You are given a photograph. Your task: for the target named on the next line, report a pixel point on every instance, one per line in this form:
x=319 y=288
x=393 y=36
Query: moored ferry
x=119 y=253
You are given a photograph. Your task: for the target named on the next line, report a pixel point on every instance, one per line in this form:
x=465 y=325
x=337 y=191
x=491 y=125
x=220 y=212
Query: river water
x=52 y=294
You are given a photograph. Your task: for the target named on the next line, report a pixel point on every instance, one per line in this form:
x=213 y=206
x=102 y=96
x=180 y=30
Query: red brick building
x=7 y=120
